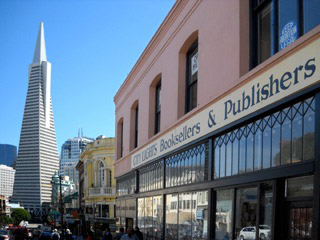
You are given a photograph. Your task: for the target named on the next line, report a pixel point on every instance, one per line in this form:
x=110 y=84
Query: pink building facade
x=216 y=124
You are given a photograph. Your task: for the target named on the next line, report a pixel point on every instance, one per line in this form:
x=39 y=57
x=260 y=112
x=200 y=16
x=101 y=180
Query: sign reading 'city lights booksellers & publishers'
x=293 y=74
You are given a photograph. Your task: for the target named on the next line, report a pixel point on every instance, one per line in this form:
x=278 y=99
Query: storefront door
x=300 y=220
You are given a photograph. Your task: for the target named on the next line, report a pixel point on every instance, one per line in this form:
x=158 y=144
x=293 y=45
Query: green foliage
x=5 y=220
x=20 y=214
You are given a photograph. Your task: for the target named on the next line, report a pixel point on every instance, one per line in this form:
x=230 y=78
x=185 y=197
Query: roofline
x=163 y=28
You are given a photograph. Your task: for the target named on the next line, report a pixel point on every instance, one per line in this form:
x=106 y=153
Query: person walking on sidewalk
x=120 y=234
x=108 y=235
x=129 y=235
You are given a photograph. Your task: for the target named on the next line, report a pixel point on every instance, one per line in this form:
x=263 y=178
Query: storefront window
x=187 y=216
x=266 y=210
x=126 y=185
x=258 y=146
x=246 y=213
x=141 y=215
x=266 y=128
x=199 y=206
x=172 y=217
x=285 y=137
x=151 y=177
x=235 y=154
x=131 y=211
x=157 y=217
x=187 y=167
x=309 y=128
x=148 y=218
x=276 y=140
x=299 y=187
x=243 y=146
x=224 y=214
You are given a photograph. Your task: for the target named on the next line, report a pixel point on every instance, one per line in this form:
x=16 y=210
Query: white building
x=6 y=180
x=70 y=156
x=38 y=156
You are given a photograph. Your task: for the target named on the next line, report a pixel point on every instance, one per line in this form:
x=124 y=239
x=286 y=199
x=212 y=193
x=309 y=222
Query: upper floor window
x=101 y=175
x=278 y=23
x=157 y=108
x=109 y=178
x=192 y=77
x=136 y=127
x=120 y=138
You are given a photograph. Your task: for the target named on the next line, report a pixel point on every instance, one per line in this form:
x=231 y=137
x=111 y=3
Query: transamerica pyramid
x=37 y=156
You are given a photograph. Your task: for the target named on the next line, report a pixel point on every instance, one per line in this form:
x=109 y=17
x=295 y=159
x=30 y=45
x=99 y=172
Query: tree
x=20 y=214
x=5 y=220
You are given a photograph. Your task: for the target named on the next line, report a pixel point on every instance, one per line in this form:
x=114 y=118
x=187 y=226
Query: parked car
x=249 y=233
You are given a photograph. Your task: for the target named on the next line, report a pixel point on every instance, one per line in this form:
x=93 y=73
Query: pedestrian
x=138 y=233
x=68 y=234
x=129 y=235
x=55 y=235
x=107 y=234
x=120 y=234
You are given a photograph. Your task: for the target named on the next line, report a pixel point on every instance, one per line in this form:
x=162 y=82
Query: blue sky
x=92 y=46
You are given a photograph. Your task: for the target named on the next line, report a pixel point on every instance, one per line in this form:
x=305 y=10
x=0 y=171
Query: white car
x=250 y=233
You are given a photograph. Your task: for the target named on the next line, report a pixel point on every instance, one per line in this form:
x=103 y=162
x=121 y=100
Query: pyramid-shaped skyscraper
x=37 y=156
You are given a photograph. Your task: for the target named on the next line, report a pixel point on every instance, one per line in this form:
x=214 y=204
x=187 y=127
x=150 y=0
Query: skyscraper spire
x=40 y=51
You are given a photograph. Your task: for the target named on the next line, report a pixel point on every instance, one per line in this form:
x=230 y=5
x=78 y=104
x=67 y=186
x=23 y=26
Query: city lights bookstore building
x=217 y=124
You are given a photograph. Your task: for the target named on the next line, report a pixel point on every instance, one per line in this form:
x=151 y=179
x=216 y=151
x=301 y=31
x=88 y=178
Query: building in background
x=6 y=180
x=67 y=188
x=38 y=156
x=217 y=128
x=8 y=154
x=99 y=184
x=81 y=198
x=70 y=156
x=3 y=205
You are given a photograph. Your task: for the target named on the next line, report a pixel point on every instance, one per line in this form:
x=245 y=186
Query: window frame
x=121 y=139
x=192 y=51
x=157 y=120
x=256 y=8
x=136 y=127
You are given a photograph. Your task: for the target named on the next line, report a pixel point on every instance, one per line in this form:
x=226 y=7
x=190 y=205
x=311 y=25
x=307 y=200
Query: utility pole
x=61 y=208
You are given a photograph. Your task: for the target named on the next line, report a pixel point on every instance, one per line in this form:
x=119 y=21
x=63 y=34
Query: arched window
x=155 y=106
x=101 y=175
x=134 y=122
x=188 y=75
x=120 y=139
x=192 y=77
